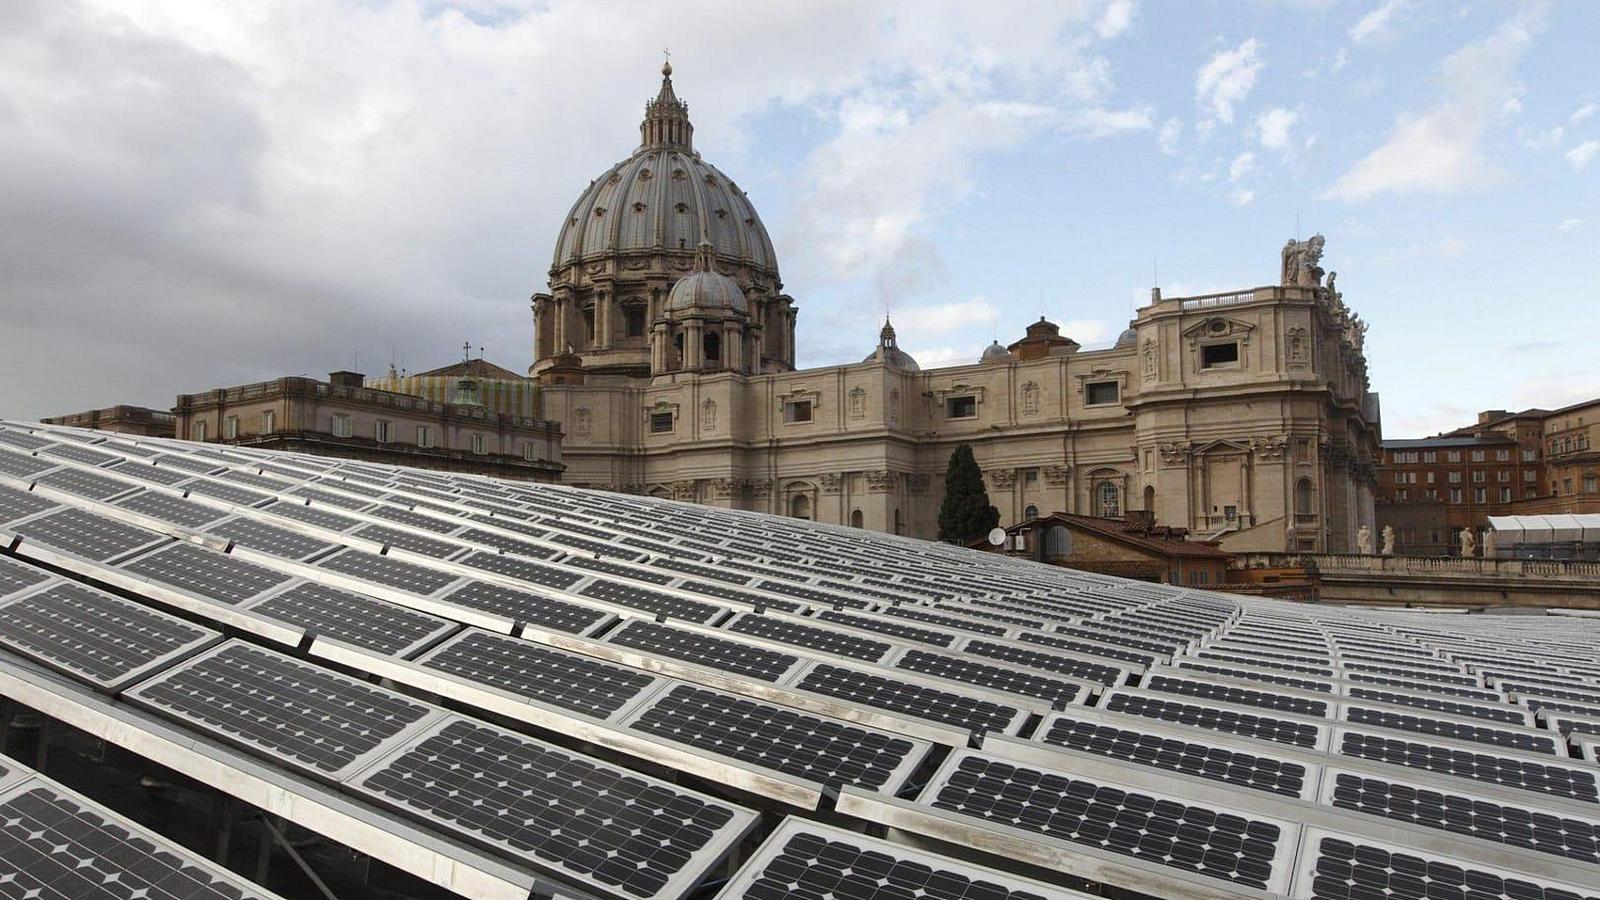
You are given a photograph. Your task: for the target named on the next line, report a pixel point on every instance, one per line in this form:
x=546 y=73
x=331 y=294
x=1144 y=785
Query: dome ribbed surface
x=711 y=291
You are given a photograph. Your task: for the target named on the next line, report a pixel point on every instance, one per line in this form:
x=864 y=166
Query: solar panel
x=353 y=619
x=79 y=454
x=15 y=504
x=922 y=615
x=508 y=544
x=94 y=636
x=270 y=539
x=213 y=575
x=1049 y=662
x=996 y=678
x=1260 y=727
x=170 y=509
x=1088 y=648
x=525 y=606
x=331 y=499
x=86 y=534
x=1526 y=739
x=414 y=520
x=825 y=751
x=701 y=649
x=85 y=484
x=908 y=698
x=299 y=713
x=1490 y=768
x=1241 y=696
x=651 y=601
x=408 y=540
x=188 y=464
x=313 y=515
x=822 y=640
x=624 y=832
x=522 y=569
x=16 y=577
x=395 y=573
x=153 y=474
x=229 y=492
x=23 y=439
x=1332 y=863
x=568 y=680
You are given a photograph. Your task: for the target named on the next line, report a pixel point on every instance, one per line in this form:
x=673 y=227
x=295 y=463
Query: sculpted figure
x=1364 y=541
x=1388 y=540
x=1300 y=260
x=1469 y=543
x=1488 y=544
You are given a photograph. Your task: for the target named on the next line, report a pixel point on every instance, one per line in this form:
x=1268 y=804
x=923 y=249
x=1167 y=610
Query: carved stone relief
x=1030 y=398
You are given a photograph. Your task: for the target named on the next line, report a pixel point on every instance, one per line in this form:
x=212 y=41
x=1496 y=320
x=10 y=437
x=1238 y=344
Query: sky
x=195 y=195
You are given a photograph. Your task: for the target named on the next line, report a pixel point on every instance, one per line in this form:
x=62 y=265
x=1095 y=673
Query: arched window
x=1150 y=499
x=800 y=506
x=1108 y=500
x=1031 y=513
x=856 y=518
x=1303 y=500
x=713 y=346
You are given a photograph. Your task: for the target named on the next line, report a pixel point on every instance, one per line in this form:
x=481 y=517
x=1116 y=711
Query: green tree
x=966 y=512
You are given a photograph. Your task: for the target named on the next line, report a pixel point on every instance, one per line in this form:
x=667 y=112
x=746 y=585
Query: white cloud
x=1091 y=331
x=1581 y=113
x=1275 y=126
x=1570 y=224
x=1244 y=197
x=1227 y=78
x=1098 y=122
x=1167 y=139
x=1544 y=140
x=922 y=322
x=1583 y=154
x=1438 y=151
x=1377 y=24
x=1116 y=18
x=1241 y=166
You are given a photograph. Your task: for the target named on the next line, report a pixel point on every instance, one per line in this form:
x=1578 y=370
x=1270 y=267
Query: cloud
x=1583 y=154
x=1274 y=128
x=1098 y=122
x=1581 y=113
x=1546 y=139
x=1570 y=224
x=1116 y=18
x=1227 y=78
x=1241 y=166
x=1439 y=150
x=1243 y=197
x=1167 y=139
x=1378 y=24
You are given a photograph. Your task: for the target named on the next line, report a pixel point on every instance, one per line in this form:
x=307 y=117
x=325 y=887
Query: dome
x=994 y=354
x=665 y=200
x=1128 y=338
x=706 y=289
x=889 y=352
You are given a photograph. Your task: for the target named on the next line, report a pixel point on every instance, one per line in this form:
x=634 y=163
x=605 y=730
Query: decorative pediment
x=661 y=406
x=960 y=389
x=1221 y=447
x=1119 y=376
x=1219 y=328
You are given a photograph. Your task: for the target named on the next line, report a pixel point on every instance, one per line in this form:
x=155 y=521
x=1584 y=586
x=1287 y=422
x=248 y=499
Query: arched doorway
x=800 y=506
x=1150 y=498
x=856 y=519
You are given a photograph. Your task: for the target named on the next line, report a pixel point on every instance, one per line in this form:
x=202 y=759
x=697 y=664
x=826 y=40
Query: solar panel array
x=1148 y=737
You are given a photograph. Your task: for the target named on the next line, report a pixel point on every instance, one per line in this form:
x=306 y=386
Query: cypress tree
x=966 y=512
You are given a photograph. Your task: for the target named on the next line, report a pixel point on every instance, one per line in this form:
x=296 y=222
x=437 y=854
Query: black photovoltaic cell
x=271 y=485
x=1302 y=684
x=1424 y=686
x=1193 y=838
x=825 y=598
x=395 y=573
x=23 y=439
x=232 y=493
x=310 y=715
x=997 y=678
x=509 y=544
x=1174 y=755
x=210 y=574
x=85 y=484
x=15 y=576
x=821 y=750
x=1049 y=662
x=894 y=629
x=152 y=474
x=79 y=454
x=907 y=697
x=1225 y=693
x=351 y=618
x=331 y=499
x=620 y=570
x=412 y=519
x=811 y=866
x=525 y=606
x=269 y=538
x=53 y=847
x=727 y=592
x=91 y=634
x=1380 y=874
x=313 y=515
x=525 y=570
x=167 y=508
x=651 y=601
x=1460 y=731
x=1471 y=817
x=408 y=540
x=821 y=639
x=20 y=466
x=15 y=504
x=713 y=652
x=551 y=806
x=187 y=464
x=588 y=548
x=711 y=572
x=1260 y=727
x=1486 y=767
x=552 y=676
x=1088 y=648
x=85 y=534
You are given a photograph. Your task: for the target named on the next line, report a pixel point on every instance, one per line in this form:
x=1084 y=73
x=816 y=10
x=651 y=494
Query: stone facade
x=139 y=420
x=1243 y=417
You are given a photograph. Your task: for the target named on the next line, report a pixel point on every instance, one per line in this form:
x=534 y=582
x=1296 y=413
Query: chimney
x=348 y=380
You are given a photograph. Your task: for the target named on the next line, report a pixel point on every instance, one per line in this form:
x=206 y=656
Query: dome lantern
x=666 y=118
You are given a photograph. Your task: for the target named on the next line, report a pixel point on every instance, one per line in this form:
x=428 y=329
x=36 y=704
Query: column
x=693 y=345
x=602 y=319
x=733 y=347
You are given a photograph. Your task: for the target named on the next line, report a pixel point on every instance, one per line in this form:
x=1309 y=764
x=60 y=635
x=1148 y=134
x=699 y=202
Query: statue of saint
x=1364 y=541
x=1488 y=544
x=1289 y=537
x=1300 y=260
x=1469 y=544
x=1388 y=540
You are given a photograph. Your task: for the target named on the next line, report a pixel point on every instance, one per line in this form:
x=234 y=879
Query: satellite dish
x=997 y=537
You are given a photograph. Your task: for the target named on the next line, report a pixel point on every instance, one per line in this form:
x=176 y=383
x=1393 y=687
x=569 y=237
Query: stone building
x=665 y=344
x=139 y=420
x=1132 y=547
x=343 y=417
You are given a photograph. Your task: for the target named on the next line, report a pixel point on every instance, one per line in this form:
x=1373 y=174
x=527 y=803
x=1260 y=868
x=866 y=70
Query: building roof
x=706 y=289
x=1446 y=442
x=471 y=368
x=1158 y=539
x=888 y=351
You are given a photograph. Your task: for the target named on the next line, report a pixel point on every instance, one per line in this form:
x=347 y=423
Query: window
x=1502 y=455
x=1480 y=495
x=1477 y=456
x=1591 y=484
x=341 y=426
x=1402 y=495
x=1031 y=513
x=633 y=321
x=530 y=451
x=856 y=519
x=1530 y=455
x=1430 y=456
x=1503 y=476
x=1455 y=495
x=383 y=430
x=1399 y=478
x=1566 y=485
x=479 y=445
x=230 y=428
x=424 y=437
x=269 y=422
x=1108 y=500
x=800 y=506
x=1455 y=477
x=1101 y=393
x=661 y=423
x=1217 y=355
x=199 y=431
x=795 y=411
x=961 y=407
x=1453 y=456
x=1430 y=478
x=1430 y=494
x=1530 y=476
x=1479 y=476
x=1530 y=493
x=1302 y=497
x=1505 y=495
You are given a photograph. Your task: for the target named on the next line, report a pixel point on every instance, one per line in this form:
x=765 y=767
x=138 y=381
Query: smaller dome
x=1128 y=338
x=994 y=355
x=707 y=289
x=889 y=352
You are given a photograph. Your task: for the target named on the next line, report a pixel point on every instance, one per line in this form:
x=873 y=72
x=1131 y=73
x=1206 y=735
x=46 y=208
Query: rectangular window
x=1455 y=477
x=1430 y=478
x=1479 y=476
x=661 y=423
x=530 y=451
x=479 y=445
x=269 y=422
x=1402 y=494
x=342 y=426
x=1505 y=495
x=383 y=431
x=230 y=428
x=1430 y=494
x=1530 y=476
x=1452 y=456
x=424 y=437
x=1591 y=484
x=633 y=321
x=1480 y=495
x=199 y=431
x=1430 y=456
x=797 y=411
x=1530 y=455
x=1503 y=476
x=1030 y=477
x=1455 y=495
x=1477 y=456
x=1566 y=485
x=1399 y=478
x=1502 y=455
x=1101 y=393
x=961 y=407
x=1217 y=355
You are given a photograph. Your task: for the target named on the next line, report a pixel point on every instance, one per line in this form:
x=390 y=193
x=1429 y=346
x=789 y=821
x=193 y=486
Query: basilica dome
x=706 y=290
x=665 y=200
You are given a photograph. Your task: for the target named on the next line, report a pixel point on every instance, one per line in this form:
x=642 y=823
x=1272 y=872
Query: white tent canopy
x=1513 y=531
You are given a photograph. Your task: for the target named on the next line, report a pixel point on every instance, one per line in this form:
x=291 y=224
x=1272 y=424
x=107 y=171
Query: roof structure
x=471 y=368
x=513 y=689
x=1157 y=539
